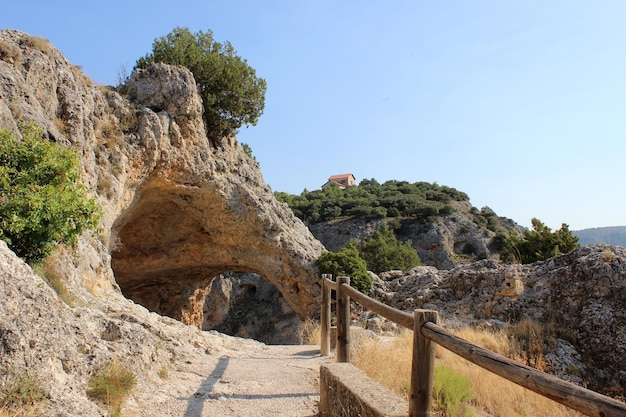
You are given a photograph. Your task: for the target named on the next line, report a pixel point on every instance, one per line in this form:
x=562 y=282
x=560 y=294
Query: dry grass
x=389 y=362
x=35 y=42
x=110 y=386
x=311 y=332
x=21 y=395
x=48 y=272
x=10 y=52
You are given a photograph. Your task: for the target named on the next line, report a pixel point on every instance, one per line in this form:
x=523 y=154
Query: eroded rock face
x=247 y=305
x=451 y=240
x=582 y=295
x=178 y=210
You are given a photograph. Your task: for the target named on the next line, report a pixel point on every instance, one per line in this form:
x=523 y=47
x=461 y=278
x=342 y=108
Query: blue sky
x=520 y=104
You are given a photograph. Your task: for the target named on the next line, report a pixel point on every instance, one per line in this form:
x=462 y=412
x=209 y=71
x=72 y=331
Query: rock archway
x=174 y=239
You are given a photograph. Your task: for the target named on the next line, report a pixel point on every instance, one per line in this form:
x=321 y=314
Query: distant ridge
x=615 y=236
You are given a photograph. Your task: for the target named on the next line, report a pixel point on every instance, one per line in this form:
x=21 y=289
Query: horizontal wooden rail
x=566 y=393
x=330 y=284
x=393 y=314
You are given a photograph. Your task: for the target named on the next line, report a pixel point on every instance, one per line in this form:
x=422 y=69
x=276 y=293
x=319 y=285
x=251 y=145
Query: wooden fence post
x=325 y=317
x=423 y=366
x=343 y=321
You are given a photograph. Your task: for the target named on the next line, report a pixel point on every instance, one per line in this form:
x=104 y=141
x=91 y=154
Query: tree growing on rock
x=346 y=262
x=538 y=244
x=42 y=202
x=231 y=92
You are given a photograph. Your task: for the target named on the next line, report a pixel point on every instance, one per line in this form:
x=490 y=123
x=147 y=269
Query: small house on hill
x=342 y=181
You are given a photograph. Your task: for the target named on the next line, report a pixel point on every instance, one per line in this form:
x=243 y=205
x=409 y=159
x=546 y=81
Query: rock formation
x=444 y=243
x=178 y=209
x=581 y=295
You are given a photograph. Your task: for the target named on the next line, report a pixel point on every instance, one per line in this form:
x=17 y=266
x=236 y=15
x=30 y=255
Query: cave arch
x=173 y=240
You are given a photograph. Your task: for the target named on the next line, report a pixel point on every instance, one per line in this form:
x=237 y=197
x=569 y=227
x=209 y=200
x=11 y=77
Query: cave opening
x=187 y=256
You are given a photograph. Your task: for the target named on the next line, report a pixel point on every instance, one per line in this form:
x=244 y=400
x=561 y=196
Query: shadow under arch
x=173 y=240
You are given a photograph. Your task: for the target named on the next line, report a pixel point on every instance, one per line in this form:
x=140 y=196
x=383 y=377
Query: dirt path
x=263 y=381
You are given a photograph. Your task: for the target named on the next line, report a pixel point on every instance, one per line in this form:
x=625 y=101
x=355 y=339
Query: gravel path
x=258 y=381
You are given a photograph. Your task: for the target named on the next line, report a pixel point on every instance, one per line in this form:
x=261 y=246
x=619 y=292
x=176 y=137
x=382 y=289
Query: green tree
x=231 y=92
x=346 y=262
x=42 y=202
x=383 y=252
x=538 y=244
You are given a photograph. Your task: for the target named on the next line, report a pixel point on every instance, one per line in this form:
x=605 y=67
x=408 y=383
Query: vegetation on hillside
x=381 y=252
x=42 y=202
x=370 y=199
x=231 y=92
x=538 y=244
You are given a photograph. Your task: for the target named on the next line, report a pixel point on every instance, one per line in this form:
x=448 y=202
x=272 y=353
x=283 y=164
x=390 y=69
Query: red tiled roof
x=336 y=177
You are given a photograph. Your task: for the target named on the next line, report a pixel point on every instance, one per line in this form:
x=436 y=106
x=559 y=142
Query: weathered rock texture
x=247 y=305
x=582 y=295
x=444 y=243
x=178 y=209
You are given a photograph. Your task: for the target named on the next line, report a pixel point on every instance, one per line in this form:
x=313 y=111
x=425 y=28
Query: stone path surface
x=258 y=380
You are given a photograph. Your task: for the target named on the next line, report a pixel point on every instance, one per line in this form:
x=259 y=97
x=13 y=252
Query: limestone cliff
x=178 y=209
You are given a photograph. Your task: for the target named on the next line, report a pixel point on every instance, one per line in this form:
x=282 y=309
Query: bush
x=231 y=92
x=110 y=385
x=538 y=244
x=41 y=201
x=450 y=390
x=346 y=262
x=383 y=252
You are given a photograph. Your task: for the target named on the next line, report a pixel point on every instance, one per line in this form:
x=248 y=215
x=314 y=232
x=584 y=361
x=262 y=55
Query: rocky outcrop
x=447 y=241
x=178 y=210
x=580 y=295
x=247 y=305
x=62 y=345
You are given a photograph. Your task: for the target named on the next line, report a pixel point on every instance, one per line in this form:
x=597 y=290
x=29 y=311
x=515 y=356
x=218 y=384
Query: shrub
x=231 y=92
x=383 y=252
x=450 y=390
x=346 y=262
x=110 y=385
x=42 y=202
x=538 y=244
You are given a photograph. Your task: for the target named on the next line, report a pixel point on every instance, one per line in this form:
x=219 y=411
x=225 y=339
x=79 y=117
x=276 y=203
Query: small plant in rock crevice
x=110 y=385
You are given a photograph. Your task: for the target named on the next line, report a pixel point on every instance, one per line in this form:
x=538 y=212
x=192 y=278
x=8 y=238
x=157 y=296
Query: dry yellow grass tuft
x=388 y=361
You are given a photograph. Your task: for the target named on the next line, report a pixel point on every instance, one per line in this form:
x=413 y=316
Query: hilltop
x=443 y=226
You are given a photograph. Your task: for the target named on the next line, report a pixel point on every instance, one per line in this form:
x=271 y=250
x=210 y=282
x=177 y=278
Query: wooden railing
x=426 y=333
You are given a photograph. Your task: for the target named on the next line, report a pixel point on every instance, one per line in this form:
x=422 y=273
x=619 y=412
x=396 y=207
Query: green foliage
x=450 y=390
x=371 y=199
x=248 y=150
x=383 y=252
x=22 y=389
x=538 y=244
x=346 y=262
x=231 y=92
x=42 y=202
x=110 y=385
